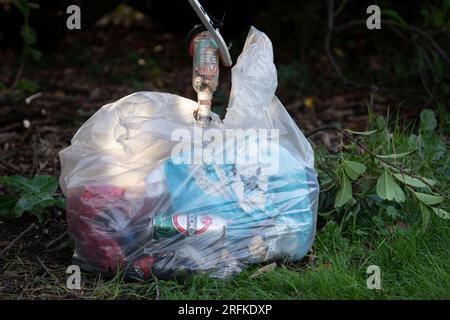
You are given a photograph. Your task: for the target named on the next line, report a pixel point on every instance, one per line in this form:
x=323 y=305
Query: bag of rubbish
x=151 y=193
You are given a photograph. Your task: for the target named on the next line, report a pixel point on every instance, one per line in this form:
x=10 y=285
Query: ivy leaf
x=18 y=183
x=353 y=169
x=39 y=213
x=45 y=184
x=428 y=199
x=60 y=202
x=31 y=203
x=7 y=204
x=345 y=193
x=388 y=189
x=441 y=213
x=35 y=195
x=38 y=185
x=414 y=182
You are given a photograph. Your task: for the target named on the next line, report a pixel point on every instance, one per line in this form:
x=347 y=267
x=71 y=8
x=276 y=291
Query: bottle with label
x=205 y=76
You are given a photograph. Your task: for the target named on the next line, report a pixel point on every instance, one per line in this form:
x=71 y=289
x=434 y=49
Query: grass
x=413 y=266
x=414 y=262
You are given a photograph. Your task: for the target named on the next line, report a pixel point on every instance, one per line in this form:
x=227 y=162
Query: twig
x=16 y=239
x=413 y=29
x=422 y=77
x=402 y=170
x=57 y=239
x=330 y=55
x=47 y=270
x=321 y=129
x=381 y=159
x=9 y=167
x=331 y=27
x=19 y=72
x=328 y=172
x=10 y=127
x=33 y=273
x=156 y=285
x=32 y=97
x=34 y=164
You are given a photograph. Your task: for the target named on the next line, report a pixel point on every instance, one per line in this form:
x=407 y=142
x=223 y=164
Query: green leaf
x=60 y=202
x=392 y=212
x=428 y=120
x=39 y=213
x=395 y=16
x=38 y=185
x=345 y=193
x=23 y=6
x=428 y=199
x=27 y=85
x=30 y=203
x=364 y=133
x=396 y=155
x=388 y=189
x=360 y=232
x=413 y=141
x=28 y=35
x=7 y=204
x=426 y=217
x=399 y=195
x=441 y=213
x=383 y=187
x=414 y=182
x=353 y=169
x=35 y=54
x=18 y=183
x=45 y=184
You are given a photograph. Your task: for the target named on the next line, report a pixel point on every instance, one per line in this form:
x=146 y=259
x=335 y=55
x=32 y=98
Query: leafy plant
x=29 y=195
x=27 y=33
x=29 y=40
x=379 y=177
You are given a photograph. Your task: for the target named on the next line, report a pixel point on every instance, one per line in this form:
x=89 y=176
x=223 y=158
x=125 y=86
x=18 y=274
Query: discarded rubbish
x=140 y=199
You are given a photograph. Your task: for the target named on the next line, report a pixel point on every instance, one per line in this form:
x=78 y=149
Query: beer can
x=189 y=225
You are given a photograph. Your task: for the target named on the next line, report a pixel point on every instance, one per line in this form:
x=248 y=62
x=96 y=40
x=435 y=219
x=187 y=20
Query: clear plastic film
x=140 y=200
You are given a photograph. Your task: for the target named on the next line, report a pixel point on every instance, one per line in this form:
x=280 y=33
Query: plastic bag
x=132 y=205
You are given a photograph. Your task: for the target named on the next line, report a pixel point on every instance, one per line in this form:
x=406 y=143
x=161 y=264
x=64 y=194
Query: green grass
x=413 y=266
x=414 y=261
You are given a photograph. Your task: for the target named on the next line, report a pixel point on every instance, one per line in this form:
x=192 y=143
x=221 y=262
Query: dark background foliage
x=333 y=74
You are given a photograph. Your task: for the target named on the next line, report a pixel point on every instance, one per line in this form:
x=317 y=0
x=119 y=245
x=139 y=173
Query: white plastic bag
x=140 y=200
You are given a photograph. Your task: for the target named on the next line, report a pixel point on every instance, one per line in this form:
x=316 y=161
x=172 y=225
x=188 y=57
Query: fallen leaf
x=264 y=269
x=309 y=102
